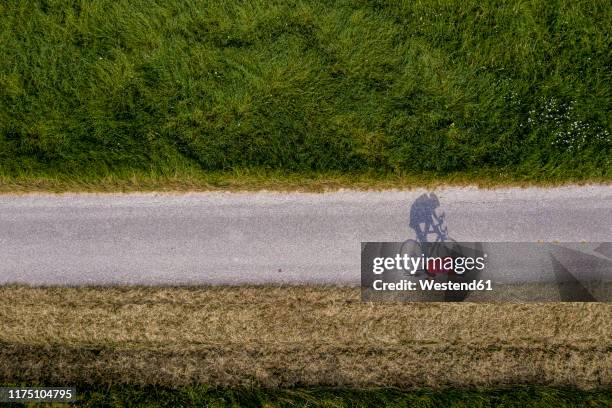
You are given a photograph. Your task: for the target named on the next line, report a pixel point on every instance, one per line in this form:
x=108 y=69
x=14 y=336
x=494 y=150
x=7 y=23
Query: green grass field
x=169 y=90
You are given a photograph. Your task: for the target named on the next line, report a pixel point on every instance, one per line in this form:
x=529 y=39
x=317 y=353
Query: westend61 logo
x=434 y=267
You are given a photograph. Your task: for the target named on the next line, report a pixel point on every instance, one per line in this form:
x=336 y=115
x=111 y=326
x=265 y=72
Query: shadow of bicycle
x=433 y=244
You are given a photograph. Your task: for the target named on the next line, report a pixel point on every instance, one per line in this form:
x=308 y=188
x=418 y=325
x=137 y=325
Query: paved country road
x=263 y=237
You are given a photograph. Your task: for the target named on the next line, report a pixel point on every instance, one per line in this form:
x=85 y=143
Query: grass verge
x=284 y=337
x=543 y=397
x=251 y=180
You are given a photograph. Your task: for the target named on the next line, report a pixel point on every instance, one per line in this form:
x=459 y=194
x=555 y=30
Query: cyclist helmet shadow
x=426 y=219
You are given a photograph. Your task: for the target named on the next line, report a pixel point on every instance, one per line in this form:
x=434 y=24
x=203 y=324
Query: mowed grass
x=297 y=336
x=107 y=92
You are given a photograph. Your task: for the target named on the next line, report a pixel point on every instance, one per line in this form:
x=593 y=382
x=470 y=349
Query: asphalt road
x=263 y=237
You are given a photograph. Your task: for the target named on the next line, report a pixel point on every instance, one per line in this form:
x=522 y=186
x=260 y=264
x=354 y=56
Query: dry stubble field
x=294 y=336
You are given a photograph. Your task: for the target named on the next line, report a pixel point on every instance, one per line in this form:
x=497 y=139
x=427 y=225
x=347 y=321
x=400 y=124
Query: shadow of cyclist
x=424 y=218
x=429 y=223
